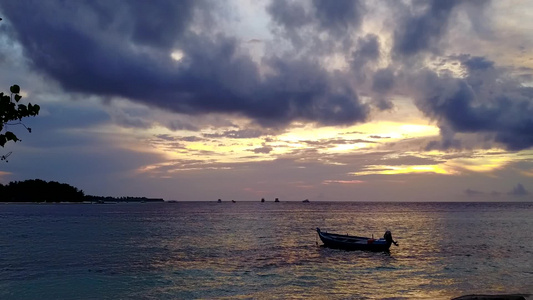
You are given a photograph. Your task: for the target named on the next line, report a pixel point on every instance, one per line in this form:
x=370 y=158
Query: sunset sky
x=320 y=100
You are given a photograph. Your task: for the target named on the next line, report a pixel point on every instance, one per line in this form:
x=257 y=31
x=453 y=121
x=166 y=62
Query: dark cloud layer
x=486 y=101
x=123 y=49
x=482 y=102
x=339 y=16
x=339 y=19
x=422 y=31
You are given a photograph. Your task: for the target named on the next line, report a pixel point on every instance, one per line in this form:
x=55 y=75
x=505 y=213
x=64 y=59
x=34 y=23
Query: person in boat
x=388 y=237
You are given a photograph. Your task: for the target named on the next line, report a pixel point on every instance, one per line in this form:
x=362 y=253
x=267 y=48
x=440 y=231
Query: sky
x=323 y=100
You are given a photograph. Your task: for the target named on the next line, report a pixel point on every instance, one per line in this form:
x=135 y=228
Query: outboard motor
x=388 y=237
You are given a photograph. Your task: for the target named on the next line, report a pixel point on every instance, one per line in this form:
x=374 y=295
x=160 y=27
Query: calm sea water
x=262 y=250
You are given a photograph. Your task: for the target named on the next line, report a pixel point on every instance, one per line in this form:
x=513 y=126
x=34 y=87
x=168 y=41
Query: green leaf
x=18 y=97
x=3 y=140
x=15 y=89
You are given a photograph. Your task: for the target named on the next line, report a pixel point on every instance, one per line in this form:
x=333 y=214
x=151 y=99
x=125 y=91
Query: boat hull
x=348 y=242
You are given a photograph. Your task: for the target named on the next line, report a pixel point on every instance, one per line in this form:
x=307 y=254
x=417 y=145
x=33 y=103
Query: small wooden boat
x=350 y=242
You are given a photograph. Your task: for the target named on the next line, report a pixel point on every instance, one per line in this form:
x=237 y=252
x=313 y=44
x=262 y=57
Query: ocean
x=253 y=250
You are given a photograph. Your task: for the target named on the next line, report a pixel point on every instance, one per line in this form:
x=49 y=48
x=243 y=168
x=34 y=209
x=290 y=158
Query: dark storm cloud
x=367 y=51
x=302 y=89
x=339 y=16
x=289 y=17
x=159 y=25
x=318 y=26
x=477 y=63
x=335 y=17
x=288 y=14
x=482 y=102
x=123 y=49
x=422 y=28
x=382 y=85
x=383 y=80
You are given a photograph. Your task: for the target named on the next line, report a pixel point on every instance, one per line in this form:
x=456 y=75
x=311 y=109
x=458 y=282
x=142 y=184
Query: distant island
x=36 y=190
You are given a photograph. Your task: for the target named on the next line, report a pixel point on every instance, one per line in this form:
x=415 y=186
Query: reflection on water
x=263 y=250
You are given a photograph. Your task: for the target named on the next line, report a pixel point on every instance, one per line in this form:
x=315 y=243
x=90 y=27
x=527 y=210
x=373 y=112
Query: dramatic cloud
x=387 y=97
x=382 y=85
x=301 y=21
x=121 y=49
x=476 y=63
x=367 y=51
x=338 y=17
x=486 y=101
x=422 y=29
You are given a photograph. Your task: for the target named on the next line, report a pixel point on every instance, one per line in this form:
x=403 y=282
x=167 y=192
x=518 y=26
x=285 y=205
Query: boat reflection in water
x=350 y=242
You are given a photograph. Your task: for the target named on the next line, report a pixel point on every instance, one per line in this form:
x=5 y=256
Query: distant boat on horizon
x=306 y=201
x=262 y=199
x=277 y=200
x=219 y=201
x=233 y=201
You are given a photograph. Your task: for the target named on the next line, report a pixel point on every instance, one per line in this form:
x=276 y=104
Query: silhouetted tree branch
x=11 y=110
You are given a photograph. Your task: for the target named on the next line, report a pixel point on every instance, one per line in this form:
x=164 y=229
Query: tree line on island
x=37 y=190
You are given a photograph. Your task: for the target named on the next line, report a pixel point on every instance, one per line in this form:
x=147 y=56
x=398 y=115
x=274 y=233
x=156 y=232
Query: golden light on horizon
x=398 y=130
x=220 y=149
x=405 y=169
x=213 y=148
x=419 y=130
x=481 y=164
